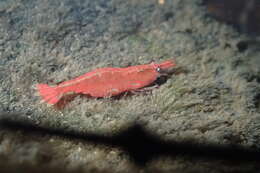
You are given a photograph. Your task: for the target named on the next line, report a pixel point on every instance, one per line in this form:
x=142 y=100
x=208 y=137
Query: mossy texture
x=46 y=41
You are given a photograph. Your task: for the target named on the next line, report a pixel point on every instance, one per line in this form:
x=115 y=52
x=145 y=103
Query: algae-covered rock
x=216 y=100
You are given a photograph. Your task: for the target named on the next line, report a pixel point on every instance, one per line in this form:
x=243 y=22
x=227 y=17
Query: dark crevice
x=242 y=14
x=242 y=46
x=141 y=145
x=257 y=101
x=168 y=16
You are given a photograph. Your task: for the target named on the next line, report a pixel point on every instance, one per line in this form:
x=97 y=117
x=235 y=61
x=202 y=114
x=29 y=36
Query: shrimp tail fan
x=49 y=94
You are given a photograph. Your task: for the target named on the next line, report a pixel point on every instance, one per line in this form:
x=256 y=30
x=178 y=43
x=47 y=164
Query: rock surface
x=216 y=102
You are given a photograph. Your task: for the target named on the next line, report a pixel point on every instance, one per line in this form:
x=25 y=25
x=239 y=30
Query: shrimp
x=105 y=82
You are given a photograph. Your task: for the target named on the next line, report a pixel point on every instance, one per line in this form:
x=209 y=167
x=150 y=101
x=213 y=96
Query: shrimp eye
x=158 y=69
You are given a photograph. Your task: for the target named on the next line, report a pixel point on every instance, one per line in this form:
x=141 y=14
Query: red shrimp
x=106 y=82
